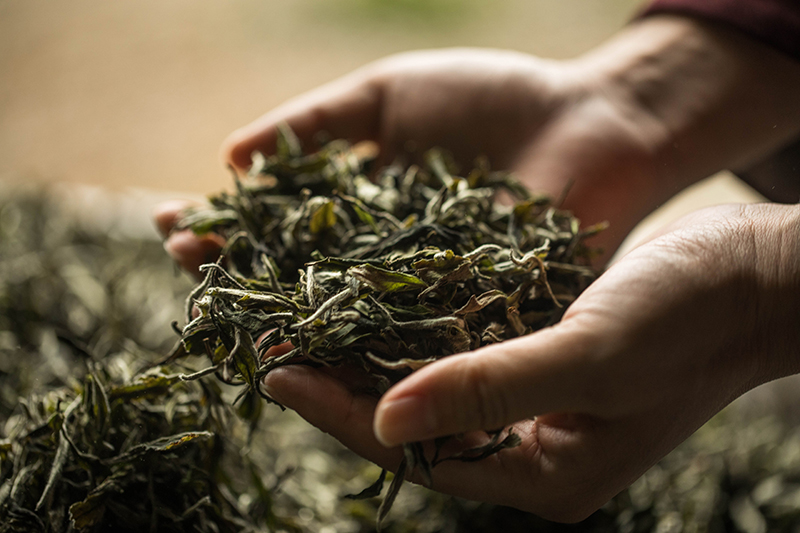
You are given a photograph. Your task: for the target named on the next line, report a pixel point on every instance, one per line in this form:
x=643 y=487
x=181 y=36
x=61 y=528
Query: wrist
x=776 y=238
x=759 y=262
x=705 y=97
x=740 y=268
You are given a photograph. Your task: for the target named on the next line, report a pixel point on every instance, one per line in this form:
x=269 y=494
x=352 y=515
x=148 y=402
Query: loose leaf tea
x=72 y=294
x=97 y=442
x=382 y=275
x=97 y=458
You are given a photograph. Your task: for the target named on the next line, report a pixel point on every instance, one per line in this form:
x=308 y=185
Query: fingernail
x=406 y=419
x=167 y=214
x=268 y=385
x=174 y=244
x=169 y=247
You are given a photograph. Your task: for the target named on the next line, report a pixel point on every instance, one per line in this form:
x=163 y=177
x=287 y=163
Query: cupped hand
x=663 y=339
x=659 y=343
x=554 y=124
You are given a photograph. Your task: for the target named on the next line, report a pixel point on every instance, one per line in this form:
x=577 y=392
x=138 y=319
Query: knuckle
x=488 y=406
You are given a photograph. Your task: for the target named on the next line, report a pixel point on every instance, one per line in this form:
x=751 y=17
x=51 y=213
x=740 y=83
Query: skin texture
x=663 y=339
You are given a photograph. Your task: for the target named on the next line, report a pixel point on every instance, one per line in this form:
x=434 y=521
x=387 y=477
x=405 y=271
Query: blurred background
x=118 y=105
x=141 y=93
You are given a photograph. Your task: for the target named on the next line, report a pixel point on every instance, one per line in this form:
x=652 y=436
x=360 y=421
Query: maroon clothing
x=774 y=22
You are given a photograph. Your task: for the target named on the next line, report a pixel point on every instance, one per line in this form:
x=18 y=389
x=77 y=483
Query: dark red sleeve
x=774 y=22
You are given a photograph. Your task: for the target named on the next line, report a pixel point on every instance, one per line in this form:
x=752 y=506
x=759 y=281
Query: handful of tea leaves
x=385 y=275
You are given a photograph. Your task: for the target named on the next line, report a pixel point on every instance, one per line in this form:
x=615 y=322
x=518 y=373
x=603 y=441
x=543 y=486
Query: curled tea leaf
x=383 y=280
x=380 y=276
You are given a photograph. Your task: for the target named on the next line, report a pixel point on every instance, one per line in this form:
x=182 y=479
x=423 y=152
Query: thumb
x=490 y=388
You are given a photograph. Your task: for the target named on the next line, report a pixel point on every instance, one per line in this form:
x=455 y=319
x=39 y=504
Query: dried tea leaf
x=161 y=445
x=148 y=385
x=382 y=277
x=475 y=304
x=512 y=440
x=245 y=357
x=372 y=491
x=324 y=217
x=382 y=280
x=87 y=514
x=391 y=495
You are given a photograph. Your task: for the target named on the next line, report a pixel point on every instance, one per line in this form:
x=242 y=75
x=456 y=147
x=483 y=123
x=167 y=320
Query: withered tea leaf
x=476 y=303
x=324 y=217
x=382 y=276
x=146 y=385
x=383 y=280
x=161 y=445
x=391 y=494
x=90 y=512
x=495 y=444
x=245 y=356
x=372 y=491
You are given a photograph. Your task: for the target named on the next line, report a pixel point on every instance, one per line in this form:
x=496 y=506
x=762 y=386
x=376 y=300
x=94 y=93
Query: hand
x=548 y=122
x=659 y=343
x=665 y=103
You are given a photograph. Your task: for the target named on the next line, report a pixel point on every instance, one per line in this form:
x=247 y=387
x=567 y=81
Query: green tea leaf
x=323 y=218
x=245 y=357
x=151 y=386
x=383 y=280
x=161 y=445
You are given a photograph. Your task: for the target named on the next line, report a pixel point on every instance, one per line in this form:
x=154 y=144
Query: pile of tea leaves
x=384 y=275
x=86 y=305
x=94 y=437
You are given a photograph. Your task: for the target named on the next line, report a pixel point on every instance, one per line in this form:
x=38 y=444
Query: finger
x=564 y=471
x=277 y=350
x=490 y=388
x=190 y=250
x=167 y=214
x=329 y=404
x=346 y=108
